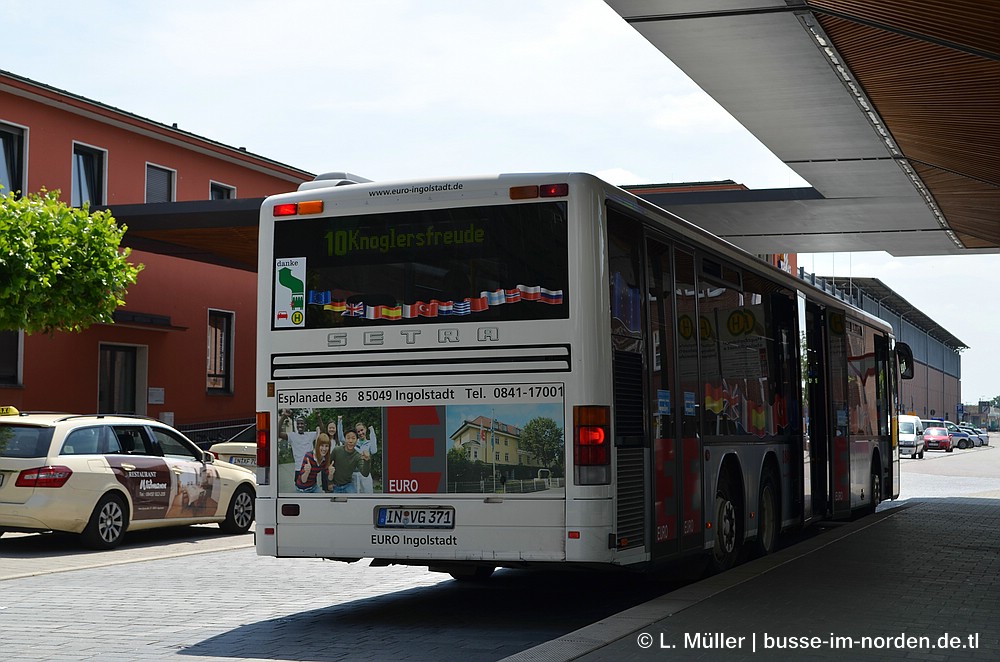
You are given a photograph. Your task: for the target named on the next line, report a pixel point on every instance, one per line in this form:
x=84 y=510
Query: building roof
x=12 y=83
x=889 y=299
x=889 y=109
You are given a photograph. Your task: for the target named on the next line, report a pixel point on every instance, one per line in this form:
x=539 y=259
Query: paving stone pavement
x=924 y=567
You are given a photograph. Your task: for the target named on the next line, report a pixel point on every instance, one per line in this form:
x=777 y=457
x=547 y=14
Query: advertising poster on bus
x=422 y=439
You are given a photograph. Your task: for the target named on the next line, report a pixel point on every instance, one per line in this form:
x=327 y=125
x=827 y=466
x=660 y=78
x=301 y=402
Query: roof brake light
x=299 y=208
x=544 y=191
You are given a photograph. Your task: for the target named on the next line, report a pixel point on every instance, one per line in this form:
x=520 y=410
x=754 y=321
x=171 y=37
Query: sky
x=393 y=89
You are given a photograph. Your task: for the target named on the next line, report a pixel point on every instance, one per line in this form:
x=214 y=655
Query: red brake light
x=553 y=191
x=50 y=476
x=263 y=439
x=287 y=209
x=592 y=445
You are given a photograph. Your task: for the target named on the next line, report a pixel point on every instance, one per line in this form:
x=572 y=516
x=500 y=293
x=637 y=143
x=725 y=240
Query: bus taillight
x=543 y=191
x=298 y=208
x=263 y=439
x=592 y=445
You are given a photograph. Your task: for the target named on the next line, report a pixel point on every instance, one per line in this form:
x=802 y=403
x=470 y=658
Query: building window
x=88 y=176
x=11 y=159
x=219 y=191
x=10 y=358
x=159 y=184
x=220 y=345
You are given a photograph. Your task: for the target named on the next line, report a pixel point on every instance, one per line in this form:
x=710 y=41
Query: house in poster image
x=492 y=441
x=182 y=347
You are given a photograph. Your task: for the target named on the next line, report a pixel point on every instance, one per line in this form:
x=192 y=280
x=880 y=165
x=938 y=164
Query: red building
x=182 y=347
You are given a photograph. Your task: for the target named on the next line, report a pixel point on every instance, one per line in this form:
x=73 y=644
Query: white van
x=911 y=436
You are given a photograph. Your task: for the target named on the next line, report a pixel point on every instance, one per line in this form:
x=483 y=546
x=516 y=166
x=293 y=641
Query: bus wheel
x=768 y=517
x=728 y=531
x=480 y=573
x=875 y=487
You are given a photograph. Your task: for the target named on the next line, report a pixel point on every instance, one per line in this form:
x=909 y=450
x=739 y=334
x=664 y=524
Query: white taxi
x=240 y=449
x=102 y=475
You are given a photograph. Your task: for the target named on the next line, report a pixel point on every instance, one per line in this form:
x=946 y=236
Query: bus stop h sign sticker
x=290 y=292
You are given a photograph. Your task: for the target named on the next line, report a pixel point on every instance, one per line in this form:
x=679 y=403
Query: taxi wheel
x=239 y=517
x=107 y=524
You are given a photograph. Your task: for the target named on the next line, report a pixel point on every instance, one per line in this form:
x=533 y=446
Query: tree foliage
x=544 y=439
x=61 y=267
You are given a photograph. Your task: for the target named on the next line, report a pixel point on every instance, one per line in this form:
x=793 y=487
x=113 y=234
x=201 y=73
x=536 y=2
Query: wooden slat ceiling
x=932 y=72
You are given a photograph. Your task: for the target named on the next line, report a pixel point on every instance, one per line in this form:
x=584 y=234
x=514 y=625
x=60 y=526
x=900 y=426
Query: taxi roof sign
x=7 y=410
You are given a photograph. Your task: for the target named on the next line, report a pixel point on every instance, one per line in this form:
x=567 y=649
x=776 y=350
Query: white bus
x=545 y=369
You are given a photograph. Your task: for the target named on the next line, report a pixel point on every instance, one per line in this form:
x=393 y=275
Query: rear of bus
x=443 y=325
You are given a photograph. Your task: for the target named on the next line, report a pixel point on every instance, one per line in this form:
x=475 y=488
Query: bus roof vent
x=328 y=179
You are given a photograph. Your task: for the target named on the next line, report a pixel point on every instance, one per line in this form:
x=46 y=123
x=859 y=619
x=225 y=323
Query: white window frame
x=173 y=180
x=214 y=184
x=230 y=339
x=104 y=171
x=25 y=133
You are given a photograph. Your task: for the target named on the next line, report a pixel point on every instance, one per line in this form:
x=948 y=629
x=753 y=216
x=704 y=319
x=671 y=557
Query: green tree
x=544 y=440
x=61 y=267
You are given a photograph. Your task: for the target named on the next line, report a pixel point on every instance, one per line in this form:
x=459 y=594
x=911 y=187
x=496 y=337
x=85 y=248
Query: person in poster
x=335 y=430
x=314 y=467
x=300 y=439
x=367 y=443
x=346 y=460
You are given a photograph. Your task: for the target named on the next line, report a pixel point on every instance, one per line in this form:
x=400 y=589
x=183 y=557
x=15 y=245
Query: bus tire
x=728 y=521
x=768 y=514
x=107 y=524
x=479 y=574
x=874 y=486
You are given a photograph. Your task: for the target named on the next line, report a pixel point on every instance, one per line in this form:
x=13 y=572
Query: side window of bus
x=746 y=327
x=624 y=245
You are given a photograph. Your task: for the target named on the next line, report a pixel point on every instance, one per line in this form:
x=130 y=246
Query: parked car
x=960 y=439
x=240 y=449
x=984 y=435
x=911 y=436
x=938 y=439
x=979 y=437
x=103 y=475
